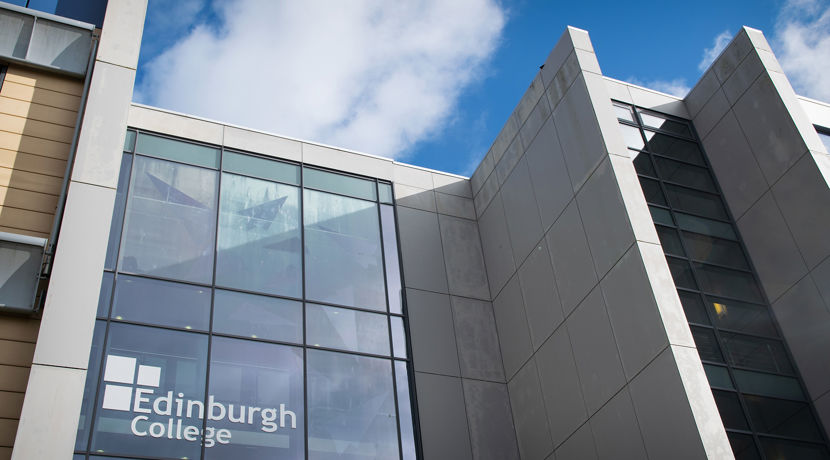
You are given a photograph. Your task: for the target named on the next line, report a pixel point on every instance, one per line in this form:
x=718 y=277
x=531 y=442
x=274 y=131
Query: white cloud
x=676 y=87
x=370 y=75
x=801 y=42
x=710 y=54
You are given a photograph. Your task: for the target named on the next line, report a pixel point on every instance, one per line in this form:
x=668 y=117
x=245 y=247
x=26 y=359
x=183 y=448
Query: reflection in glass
x=673 y=147
x=681 y=273
x=129 y=141
x=743 y=446
x=764 y=384
x=742 y=316
x=652 y=192
x=257 y=316
x=783 y=418
x=683 y=174
x=704 y=225
x=693 y=307
x=172 y=149
x=170 y=221
x=704 y=204
x=339 y=183
x=105 y=295
x=729 y=283
x=161 y=302
x=642 y=164
x=93 y=370
x=405 y=411
x=825 y=139
x=659 y=122
x=261 y=167
x=385 y=193
x=118 y=212
x=718 y=376
x=793 y=450
x=660 y=215
x=669 y=240
x=390 y=253
x=343 y=256
x=707 y=344
x=715 y=250
x=756 y=353
x=259 y=237
x=351 y=407
x=730 y=410
x=345 y=329
x=260 y=389
x=623 y=113
x=632 y=137
x=398 y=337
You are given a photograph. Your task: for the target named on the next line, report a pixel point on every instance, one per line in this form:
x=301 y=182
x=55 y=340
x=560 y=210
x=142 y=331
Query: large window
x=249 y=309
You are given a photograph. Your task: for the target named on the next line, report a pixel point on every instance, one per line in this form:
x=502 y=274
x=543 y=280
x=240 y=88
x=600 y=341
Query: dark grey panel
x=514 y=335
x=495 y=242
x=529 y=413
x=478 y=342
x=580 y=446
x=423 y=259
x=521 y=212
x=491 y=424
x=432 y=335
x=463 y=256
x=616 y=430
x=542 y=305
x=443 y=421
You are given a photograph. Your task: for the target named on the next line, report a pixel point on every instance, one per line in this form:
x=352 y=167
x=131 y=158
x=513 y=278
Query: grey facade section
x=774 y=173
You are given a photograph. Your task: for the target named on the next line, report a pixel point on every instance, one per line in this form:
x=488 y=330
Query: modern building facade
x=626 y=275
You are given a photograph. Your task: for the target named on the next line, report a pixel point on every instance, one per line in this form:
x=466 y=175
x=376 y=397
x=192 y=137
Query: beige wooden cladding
x=37 y=121
x=17 y=346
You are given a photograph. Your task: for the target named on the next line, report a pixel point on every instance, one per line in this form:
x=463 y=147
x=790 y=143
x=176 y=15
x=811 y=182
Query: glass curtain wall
x=762 y=402
x=249 y=309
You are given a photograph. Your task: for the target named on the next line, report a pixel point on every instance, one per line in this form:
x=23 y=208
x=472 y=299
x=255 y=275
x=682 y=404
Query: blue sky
x=431 y=83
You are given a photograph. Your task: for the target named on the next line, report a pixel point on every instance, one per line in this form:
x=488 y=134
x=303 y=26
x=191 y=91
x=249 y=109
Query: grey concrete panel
x=560 y=386
x=757 y=38
x=635 y=202
x=551 y=184
x=265 y=144
x=556 y=58
x=481 y=173
x=413 y=197
x=530 y=99
x=771 y=247
x=414 y=177
x=49 y=419
x=659 y=102
x=616 y=430
x=734 y=165
x=588 y=61
x=604 y=111
x=805 y=320
x=121 y=33
x=452 y=185
x=579 y=38
x=534 y=122
x=491 y=423
x=509 y=160
x=769 y=128
x=360 y=163
x=711 y=113
x=769 y=61
x=803 y=196
x=662 y=408
x=422 y=257
x=573 y=266
x=478 y=342
x=542 y=305
x=529 y=413
x=522 y=214
x=160 y=121
x=454 y=205
x=580 y=446
x=595 y=352
x=432 y=333
x=702 y=91
x=617 y=90
x=605 y=217
x=821 y=275
x=495 y=242
x=563 y=80
x=486 y=194
x=511 y=322
x=441 y=410
x=743 y=77
x=635 y=318
x=463 y=257
x=504 y=138
x=579 y=133
x=731 y=57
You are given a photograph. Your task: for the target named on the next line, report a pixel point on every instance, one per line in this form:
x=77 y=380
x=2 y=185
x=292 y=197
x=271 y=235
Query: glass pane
x=652 y=192
x=642 y=164
x=257 y=316
x=669 y=240
x=741 y=316
x=390 y=254
x=783 y=418
x=718 y=376
x=172 y=149
x=351 y=407
x=623 y=112
x=405 y=411
x=707 y=344
x=118 y=211
x=693 y=307
x=170 y=222
x=763 y=384
x=660 y=215
x=129 y=141
x=664 y=124
x=825 y=139
x=780 y=449
x=685 y=199
x=756 y=353
x=632 y=137
x=385 y=193
x=338 y=183
x=684 y=174
x=743 y=446
x=681 y=273
x=261 y=167
x=715 y=250
x=730 y=410
x=704 y=225
x=726 y=282
x=345 y=329
x=92 y=374
x=150 y=374
x=398 y=337
x=161 y=302
x=256 y=405
x=105 y=296
x=259 y=237
x=674 y=147
x=343 y=256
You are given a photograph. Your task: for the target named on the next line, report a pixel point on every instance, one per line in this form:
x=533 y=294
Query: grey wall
x=774 y=174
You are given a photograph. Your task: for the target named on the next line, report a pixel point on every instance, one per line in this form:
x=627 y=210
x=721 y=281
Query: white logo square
x=119 y=369
x=117 y=397
x=149 y=376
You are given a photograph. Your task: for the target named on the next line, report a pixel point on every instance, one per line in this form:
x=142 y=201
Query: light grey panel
x=580 y=446
x=482 y=173
x=495 y=242
x=537 y=117
x=771 y=247
x=485 y=195
x=605 y=217
x=463 y=257
x=560 y=386
x=579 y=132
x=455 y=205
x=491 y=423
x=734 y=165
x=551 y=184
x=431 y=332
x=414 y=197
x=511 y=322
x=663 y=410
x=563 y=79
x=571 y=258
x=616 y=430
x=452 y=185
x=523 y=223
x=509 y=160
x=803 y=196
x=635 y=319
x=478 y=342
x=423 y=260
x=529 y=413
x=805 y=320
x=542 y=305
x=597 y=360
x=441 y=411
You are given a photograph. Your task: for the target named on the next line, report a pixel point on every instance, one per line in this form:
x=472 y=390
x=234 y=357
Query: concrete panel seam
x=92 y=184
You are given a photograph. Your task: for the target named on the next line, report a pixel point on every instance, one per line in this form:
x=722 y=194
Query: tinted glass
x=258 y=408
x=161 y=302
x=259 y=236
x=385 y=193
x=632 y=137
x=693 y=307
x=743 y=446
x=730 y=410
x=339 y=183
x=652 y=192
x=343 y=256
x=715 y=250
x=390 y=254
x=105 y=296
x=781 y=449
x=398 y=337
x=670 y=240
x=825 y=139
x=674 y=147
x=175 y=150
x=345 y=329
x=707 y=345
x=704 y=204
x=665 y=124
x=718 y=376
x=257 y=316
x=783 y=418
x=623 y=112
x=756 y=353
x=704 y=225
x=684 y=174
x=118 y=212
x=642 y=163
x=763 y=384
x=261 y=167
x=129 y=141
x=742 y=316
x=93 y=371
x=660 y=215
x=681 y=273
x=729 y=283
x=351 y=406
x=405 y=411
x=170 y=221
